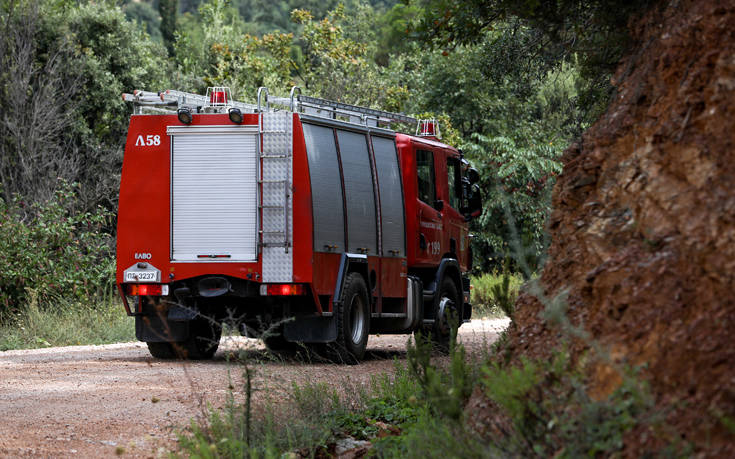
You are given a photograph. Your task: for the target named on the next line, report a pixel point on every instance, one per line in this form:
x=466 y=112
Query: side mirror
x=439 y=205
x=474 y=208
x=473 y=176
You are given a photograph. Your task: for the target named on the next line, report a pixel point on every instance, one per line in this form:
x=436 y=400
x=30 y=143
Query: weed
x=68 y=323
x=504 y=297
x=551 y=412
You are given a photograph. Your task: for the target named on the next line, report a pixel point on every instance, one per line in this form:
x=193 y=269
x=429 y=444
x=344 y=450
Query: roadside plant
x=53 y=251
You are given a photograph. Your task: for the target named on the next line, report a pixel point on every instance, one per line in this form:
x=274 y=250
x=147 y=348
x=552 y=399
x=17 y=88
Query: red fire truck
x=302 y=219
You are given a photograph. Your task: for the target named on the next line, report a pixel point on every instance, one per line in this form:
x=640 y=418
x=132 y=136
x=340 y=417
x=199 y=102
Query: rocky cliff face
x=643 y=226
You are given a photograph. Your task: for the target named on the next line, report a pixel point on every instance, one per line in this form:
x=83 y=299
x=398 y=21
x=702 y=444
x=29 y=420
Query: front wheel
x=353 y=320
x=446 y=317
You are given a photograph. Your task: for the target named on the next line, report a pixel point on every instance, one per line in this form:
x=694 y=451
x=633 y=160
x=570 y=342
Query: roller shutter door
x=214 y=196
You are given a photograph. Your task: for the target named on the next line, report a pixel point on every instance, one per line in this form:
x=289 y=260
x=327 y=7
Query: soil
x=99 y=401
x=643 y=228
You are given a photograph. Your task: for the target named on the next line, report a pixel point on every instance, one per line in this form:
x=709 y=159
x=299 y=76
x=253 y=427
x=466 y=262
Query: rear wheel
x=161 y=350
x=353 y=320
x=203 y=341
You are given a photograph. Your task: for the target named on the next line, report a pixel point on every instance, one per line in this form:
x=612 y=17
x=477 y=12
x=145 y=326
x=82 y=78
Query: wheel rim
x=445 y=306
x=357 y=318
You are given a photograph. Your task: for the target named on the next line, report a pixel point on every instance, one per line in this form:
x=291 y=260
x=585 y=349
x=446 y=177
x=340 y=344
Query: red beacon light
x=218 y=96
x=428 y=128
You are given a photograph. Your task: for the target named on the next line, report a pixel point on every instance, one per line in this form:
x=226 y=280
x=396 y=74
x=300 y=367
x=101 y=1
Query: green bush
x=50 y=252
x=487 y=296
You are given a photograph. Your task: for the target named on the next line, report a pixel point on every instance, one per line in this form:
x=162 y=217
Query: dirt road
x=99 y=401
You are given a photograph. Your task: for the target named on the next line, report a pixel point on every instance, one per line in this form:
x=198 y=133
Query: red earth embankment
x=643 y=226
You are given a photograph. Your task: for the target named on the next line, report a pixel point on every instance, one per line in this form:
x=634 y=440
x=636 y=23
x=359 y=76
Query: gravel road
x=99 y=401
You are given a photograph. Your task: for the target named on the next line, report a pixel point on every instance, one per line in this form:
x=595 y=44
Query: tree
x=517 y=183
x=34 y=148
x=167 y=9
x=591 y=33
x=63 y=69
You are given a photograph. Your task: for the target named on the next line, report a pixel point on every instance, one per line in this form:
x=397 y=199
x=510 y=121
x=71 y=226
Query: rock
x=349 y=448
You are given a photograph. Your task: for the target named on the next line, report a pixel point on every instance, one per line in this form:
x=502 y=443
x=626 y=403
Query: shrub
x=50 y=251
x=492 y=292
x=545 y=409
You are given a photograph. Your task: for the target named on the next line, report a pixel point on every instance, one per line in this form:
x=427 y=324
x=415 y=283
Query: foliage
x=49 y=251
x=519 y=94
x=444 y=392
x=148 y=18
x=484 y=297
x=593 y=32
x=551 y=412
x=340 y=66
x=517 y=184
x=312 y=418
x=533 y=408
x=63 y=69
x=167 y=10
x=215 y=52
x=504 y=297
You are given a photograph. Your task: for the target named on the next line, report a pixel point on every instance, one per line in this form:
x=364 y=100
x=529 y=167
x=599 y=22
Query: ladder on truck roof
x=331 y=109
x=170 y=100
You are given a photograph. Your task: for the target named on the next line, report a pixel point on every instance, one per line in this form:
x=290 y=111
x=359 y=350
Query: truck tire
x=203 y=341
x=161 y=350
x=353 y=320
x=446 y=307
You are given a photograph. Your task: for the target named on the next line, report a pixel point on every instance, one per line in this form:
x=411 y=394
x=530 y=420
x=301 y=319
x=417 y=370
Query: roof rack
x=218 y=100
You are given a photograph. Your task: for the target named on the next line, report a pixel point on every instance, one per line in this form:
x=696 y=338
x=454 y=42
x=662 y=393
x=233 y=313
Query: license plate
x=141 y=276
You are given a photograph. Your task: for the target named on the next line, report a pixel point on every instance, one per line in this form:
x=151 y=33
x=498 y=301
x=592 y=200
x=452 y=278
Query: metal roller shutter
x=214 y=195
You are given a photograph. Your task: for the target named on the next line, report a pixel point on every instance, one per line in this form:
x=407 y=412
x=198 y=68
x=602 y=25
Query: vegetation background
x=509 y=102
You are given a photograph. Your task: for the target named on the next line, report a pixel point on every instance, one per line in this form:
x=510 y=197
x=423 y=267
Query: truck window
x=425 y=172
x=326 y=188
x=391 y=196
x=454 y=182
x=362 y=233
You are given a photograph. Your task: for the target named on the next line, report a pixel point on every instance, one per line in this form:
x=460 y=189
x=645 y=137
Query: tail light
x=282 y=289
x=146 y=289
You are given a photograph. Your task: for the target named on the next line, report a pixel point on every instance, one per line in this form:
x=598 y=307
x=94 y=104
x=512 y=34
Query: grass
x=534 y=408
x=309 y=421
x=484 y=302
x=67 y=324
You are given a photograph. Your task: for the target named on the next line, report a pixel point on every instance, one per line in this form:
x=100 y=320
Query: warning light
x=428 y=128
x=218 y=98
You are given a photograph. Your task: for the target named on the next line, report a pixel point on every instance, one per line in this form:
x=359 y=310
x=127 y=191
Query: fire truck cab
x=299 y=220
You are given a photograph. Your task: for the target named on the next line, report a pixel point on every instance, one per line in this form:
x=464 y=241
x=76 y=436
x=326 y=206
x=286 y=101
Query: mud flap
x=312 y=329
x=152 y=329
